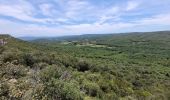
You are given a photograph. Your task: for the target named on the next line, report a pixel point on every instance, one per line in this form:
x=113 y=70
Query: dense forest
x=127 y=66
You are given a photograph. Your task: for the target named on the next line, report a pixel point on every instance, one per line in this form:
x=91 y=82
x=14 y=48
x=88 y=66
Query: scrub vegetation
x=131 y=66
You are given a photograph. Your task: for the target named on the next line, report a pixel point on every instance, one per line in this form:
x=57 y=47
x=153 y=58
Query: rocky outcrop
x=3 y=42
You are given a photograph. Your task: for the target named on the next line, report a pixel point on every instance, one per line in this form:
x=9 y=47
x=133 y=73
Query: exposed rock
x=2 y=42
x=12 y=81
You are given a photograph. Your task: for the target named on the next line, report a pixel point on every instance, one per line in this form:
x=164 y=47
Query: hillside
x=131 y=66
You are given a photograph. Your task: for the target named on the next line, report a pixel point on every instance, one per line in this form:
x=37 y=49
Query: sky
x=74 y=17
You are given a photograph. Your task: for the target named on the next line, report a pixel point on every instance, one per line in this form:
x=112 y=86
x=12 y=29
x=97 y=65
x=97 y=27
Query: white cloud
x=77 y=9
x=36 y=30
x=112 y=10
x=24 y=11
x=156 y=20
x=21 y=11
x=70 y=11
x=131 y=5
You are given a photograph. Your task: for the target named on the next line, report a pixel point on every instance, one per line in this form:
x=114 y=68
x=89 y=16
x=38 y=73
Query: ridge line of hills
x=83 y=35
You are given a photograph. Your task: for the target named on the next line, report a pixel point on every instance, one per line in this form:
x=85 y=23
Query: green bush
x=83 y=66
x=40 y=66
x=104 y=85
x=92 y=89
x=1 y=49
x=51 y=71
x=93 y=77
x=60 y=90
x=9 y=56
x=4 y=90
x=110 y=96
x=14 y=71
x=142 y=94
x=29 y=60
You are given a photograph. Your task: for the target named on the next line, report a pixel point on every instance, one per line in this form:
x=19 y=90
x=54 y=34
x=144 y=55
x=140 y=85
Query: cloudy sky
x=73 y=17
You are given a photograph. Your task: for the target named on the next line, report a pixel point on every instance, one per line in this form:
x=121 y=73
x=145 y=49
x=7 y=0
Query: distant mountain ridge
x=82 y=37
x=96 y=36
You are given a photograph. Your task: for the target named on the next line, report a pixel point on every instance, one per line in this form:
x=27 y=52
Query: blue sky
x=74 y=17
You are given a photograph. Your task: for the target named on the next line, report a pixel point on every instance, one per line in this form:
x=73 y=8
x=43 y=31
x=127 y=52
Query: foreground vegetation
x=133 y=66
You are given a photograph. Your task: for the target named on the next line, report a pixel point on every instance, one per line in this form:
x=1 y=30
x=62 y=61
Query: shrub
x=104 y=85
x=92 y=89
x=14 y=71
x=50 y=72
x=143 y=94
x=9 y=57
x=40 y=65
x=60 y=90
x=110 y=96
x=29 y=60
x=4 y=90
x=93 y=77
x=1 y=49
x=83 y=66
